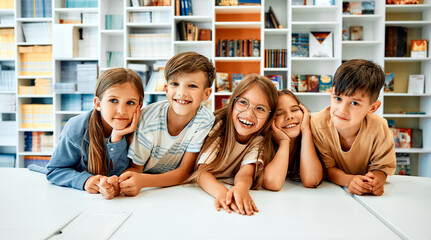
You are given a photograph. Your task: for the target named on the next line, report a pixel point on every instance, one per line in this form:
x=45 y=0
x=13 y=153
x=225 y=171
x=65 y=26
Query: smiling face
x=186 y=92
x=117 y=106
x=246 y=123
x=347 y=112
x=288 y=116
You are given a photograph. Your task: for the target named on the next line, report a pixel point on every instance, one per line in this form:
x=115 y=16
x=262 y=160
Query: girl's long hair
x=293 y=171
x=224 y=130
x=98 y=162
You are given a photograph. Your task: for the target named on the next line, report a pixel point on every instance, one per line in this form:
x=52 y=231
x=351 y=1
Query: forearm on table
x=337 y=176
x=311 y=170
x=209 y=184
x=275 y=172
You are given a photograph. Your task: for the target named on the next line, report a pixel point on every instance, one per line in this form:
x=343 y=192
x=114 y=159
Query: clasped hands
x=368 y=184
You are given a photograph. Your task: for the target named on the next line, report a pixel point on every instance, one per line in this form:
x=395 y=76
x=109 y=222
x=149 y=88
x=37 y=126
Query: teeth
x=291 y=125
x=182 y=101
x=245 y=122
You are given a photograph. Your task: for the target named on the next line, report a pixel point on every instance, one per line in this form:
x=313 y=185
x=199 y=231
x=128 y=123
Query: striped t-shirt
x=153 y=146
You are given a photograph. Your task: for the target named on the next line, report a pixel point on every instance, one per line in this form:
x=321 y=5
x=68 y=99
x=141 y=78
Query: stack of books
x=275 y=58
x=81 y=3
x=87 y=77
x=37 y=116
x=150 y=17
x=87 y=102
x=7 y=160
x=300 y=44
x=7 y=42
x=37 y=32
x=88 y=43
x=8 y=102
x=37 y=160
x=39 y=86
x=238 y=48
x=143 y=70
x=35 y=60
x=114 y=59
x=38 y=141
x=71 y=102
x=36 y=8
x=113 y=21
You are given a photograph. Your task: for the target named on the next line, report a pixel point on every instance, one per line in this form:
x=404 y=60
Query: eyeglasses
x=242 y=104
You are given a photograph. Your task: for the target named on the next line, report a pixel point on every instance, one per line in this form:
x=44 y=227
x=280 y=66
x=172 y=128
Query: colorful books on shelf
x=311 y=83
x=81 y=3
x=86 y=79
x=238 y=2
x=150 y=17
x=35 y=60
x=37 y=32
x=416 y=84
x=358 y=8
x=222 y=82
x=403 y=164
x=275 y=58
x=236 y=79
x=36 y=8
x=113 y=21
x=150 y=45
x=389 y=82
x=299 y=2
x=402 y=2
x=277 y=80
x=183 y=8
x=38 y=86
x=37 y=116
x=419 y=48
x=114 y=59
x=8 y=102
x=356 y=33
x=7 y=43
x=38 y=141
x=37 y=160
x=148 y=3
x=396 y=42
x=187 y=31
x=7 y=160
x=300 y=45
x=238 y=48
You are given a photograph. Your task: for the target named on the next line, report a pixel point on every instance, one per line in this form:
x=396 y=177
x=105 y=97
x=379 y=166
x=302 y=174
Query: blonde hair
x=224 y=132
x=98 y=162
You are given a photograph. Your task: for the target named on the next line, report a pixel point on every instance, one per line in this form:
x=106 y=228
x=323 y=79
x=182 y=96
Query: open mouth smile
x=245 y=122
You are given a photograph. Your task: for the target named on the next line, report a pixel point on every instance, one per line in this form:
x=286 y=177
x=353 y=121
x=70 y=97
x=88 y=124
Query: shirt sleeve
x=65 y=167
x=252 y=156
x=141 y=144
x=210 y=154
x=200 y=135
x=321 y=146
x=383 y=157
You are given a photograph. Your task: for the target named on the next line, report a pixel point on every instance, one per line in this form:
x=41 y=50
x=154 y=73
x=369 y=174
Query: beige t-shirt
x=373 y=148
x=239 y=156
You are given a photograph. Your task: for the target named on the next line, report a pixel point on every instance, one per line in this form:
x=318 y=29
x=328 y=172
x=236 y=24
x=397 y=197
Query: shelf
x=35 y=96
x=3 y=11
x=390 y=115
x=76 y=59
x=360 y=43
x=69 y=112
x=237 y=9
x=35 y=153
x=33 y=43
x=146 y=59
x=413 y=24
x=234 y=25
x=405 y=95
x=7 y=92
x=407 y=8
x=314 y=9
x=6 y=59
x=191 y=43
x=149 y=25
x=34 y=19
x=275 y=69
x=112 y=32
x=80 y=25
x=77 y=93
x=193 y=18
x=32 y=77
x=7 y=26
x=276 y=31
x=360 y=18
x=315 y=94
x=87 y=10
x=237 y=59
x=7 y=144
x=35 y=130
x=406 y=59
x=412 y=150
x=314 y=25
x=8 y=112
x=314 y=59
x=148 y=9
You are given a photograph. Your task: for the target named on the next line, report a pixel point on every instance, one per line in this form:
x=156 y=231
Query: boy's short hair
x=189 y=62
x=359 y=75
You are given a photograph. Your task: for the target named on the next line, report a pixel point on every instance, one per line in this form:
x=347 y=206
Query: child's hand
x=278 y=134
x=360 y=185
x=376 y=184
x=305 y=124
x=117 y=134
x=220 y=202
x=91 y=185
x=242 y=199
x=108 y=187
x=129 y=183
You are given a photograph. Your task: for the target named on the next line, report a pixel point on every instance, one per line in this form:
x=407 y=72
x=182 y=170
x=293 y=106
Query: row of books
x=238 y=48
x=7 y=80
x=271 y=20
x=37 y=32
x=78 y=18
x=314 y=2
x=41 y=161
x=311 y=83
x=113 y=21
x=402 y=2
x=7 y=4
x=416 y=84
x=275 y=58
x=8 y=102
x=238 y=2
x=38 y=86
x=86 y=79
x=150 y=17
x=157 y=3
x=35 y=60
x=7 y=42
x=81 y=4
x=114 y=59
x=150 y=45
x=76 y=102
x=183 y=8
x=312 y=44
x=405 y=137
x=36 y=8
x=396 y=44
x=37 y=116
x=187 y=31
x=358 y=8
x=300 y=44
x=7 y=160
x=38 y=142
x=224 y=84
x=353 y=33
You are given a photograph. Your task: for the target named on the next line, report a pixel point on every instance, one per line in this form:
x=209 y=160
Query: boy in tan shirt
x=355 y=144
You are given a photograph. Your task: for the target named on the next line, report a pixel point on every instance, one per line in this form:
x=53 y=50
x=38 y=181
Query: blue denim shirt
x=69 y=162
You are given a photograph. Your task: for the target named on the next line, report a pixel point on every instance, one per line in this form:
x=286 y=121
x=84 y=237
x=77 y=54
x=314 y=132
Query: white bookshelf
x=294 y=19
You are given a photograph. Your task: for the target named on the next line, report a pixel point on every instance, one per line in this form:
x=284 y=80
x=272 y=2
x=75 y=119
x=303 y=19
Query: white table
x=32 y=208
x=405 y=206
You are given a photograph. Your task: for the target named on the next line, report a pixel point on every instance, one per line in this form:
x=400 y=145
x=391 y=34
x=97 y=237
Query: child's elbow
x=311 y=183
x=273 y=184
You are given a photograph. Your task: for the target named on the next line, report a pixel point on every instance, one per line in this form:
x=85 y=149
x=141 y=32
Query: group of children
x=261 y=137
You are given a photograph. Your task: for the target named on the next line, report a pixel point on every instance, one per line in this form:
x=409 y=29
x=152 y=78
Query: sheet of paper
x=91 y=224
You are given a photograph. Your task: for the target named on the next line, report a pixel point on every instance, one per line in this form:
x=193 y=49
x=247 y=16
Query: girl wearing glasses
x=235 y=145
x=295 y=155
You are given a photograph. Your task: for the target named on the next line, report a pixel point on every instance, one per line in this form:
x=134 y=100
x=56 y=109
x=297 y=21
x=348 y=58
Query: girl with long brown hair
x=236 y=144
x=94 y=144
